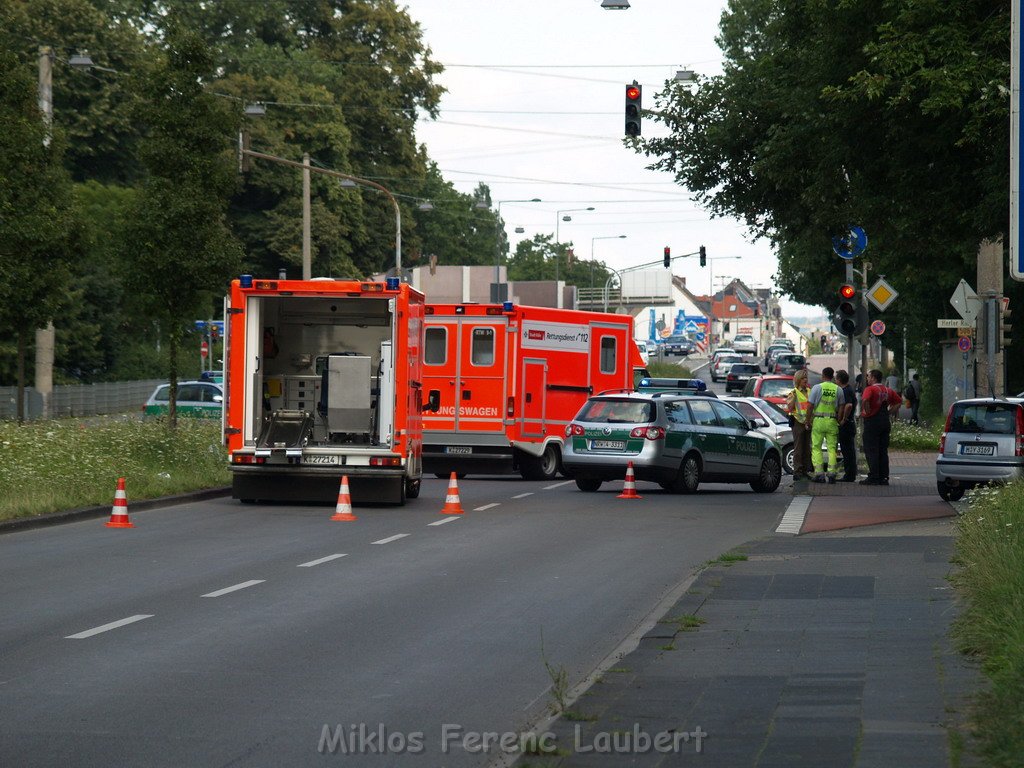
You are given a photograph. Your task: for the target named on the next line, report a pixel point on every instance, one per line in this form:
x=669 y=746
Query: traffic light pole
x=851 y=359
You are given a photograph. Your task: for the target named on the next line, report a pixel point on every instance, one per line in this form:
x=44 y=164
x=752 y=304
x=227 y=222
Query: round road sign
x=965 y=344
x=878 y=327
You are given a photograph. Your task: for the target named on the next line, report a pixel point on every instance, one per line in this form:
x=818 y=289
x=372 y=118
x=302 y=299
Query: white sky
x=573 y=56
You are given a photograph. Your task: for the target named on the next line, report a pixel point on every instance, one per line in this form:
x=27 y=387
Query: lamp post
x=558 y=220
x=606 y=237
x=497 y=238
x=711 y=272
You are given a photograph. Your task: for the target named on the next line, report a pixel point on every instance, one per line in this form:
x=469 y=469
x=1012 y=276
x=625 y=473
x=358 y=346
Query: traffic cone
x=343 y=511
x=119 y=512
x=452 y=505
x=629 y=487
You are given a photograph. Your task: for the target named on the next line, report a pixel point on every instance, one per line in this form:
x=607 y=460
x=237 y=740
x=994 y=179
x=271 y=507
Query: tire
x=543 y=467
x=770 y=475
x=688 y=477
x=588 y=484
x=412 y=489
x=950 y=493
x=787 y=459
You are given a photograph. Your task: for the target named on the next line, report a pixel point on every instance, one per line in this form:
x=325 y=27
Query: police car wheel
x=770 y=475
x=587 y=484
x=688 y=477
x=787 y=459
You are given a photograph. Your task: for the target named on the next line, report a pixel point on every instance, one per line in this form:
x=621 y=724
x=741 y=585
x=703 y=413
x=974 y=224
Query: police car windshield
x=617 y=412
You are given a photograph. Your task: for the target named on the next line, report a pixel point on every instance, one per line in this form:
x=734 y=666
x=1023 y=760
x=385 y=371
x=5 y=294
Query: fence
x=80 y=399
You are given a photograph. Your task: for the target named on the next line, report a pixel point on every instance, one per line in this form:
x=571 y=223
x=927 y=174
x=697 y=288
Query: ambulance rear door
x=482 y=385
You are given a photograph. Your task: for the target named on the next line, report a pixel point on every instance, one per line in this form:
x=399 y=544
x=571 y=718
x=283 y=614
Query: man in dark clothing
x=877 y=406
x=847 y=429
x=914 y=389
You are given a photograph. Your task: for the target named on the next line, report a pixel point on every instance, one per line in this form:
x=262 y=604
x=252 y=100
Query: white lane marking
x=793 y=520
x=487 y=506
x=110 y=626
x=557 y=485
x=442 y=522
x=389 y=539
x=235 y=588
x=523 y=495
x=327 y=559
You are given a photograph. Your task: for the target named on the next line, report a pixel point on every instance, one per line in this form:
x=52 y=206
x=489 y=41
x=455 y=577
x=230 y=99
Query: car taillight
x=731 y=377
x=1020 y=432
x=648 y=433
x=573 y=429
x=945 y=429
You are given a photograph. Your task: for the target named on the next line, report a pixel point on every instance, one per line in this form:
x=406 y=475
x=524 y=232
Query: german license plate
x=319 y=459
x=457 y=449
x=978 y=450
x=608 y=445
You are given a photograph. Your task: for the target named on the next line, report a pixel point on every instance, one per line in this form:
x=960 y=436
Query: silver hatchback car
x=771 y=421
x=677 y=441
x=983 y=442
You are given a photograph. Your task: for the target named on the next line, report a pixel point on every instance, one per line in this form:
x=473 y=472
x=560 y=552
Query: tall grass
x=990 y=552
x=65 y=464
x=912 y=437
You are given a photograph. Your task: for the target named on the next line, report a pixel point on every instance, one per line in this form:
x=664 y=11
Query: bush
x=49 y=466
x=669 y=371
x=990 y=553
x=912 y=437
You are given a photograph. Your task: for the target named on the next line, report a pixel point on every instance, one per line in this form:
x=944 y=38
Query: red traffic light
x=632 y=92
x=847 y=291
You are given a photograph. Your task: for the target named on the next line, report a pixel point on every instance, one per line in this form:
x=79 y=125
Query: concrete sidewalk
x=818 y=650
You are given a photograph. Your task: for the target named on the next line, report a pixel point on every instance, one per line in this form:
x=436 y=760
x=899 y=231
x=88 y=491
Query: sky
x=534 y=109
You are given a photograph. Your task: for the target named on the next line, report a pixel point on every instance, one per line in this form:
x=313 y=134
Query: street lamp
x=558 y=220
x=497 y=240
x=606 y=237
x=711 y=272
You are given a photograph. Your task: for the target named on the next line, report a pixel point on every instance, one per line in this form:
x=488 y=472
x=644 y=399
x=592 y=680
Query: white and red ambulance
x=511 y=377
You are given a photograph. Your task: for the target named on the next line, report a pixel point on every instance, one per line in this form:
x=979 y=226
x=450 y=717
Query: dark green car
x=677 y=441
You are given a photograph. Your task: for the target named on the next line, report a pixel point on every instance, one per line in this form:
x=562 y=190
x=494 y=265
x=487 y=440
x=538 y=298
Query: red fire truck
x=511 y=377
x=323 y=378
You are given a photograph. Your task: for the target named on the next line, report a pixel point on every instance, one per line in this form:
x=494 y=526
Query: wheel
x=787 y=459
x=770 y=476
x=688 y=477
x=950 y=492
x=412 y=489
x=543 y=467
x=247 y=501
x=587 y=484
x=401 y=493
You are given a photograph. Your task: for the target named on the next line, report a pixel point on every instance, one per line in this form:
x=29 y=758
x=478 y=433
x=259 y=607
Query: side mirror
x=754 y=423
x=218 y=399
x=760 y=423
x=433 y=401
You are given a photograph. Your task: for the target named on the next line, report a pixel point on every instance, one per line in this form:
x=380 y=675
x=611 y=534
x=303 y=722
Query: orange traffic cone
x=343 y=511
x=119 y=512
x=629 y=487
x=452 y=505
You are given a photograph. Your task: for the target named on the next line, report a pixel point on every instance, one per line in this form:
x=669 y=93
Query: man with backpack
x=912 y=393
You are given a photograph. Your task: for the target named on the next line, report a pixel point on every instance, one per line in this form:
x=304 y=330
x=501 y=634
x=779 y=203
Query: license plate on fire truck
x=319 y=459
x=458 y=449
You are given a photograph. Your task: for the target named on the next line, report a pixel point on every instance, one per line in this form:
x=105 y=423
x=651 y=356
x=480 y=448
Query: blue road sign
x=851 y=243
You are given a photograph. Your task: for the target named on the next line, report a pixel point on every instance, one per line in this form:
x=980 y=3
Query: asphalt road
x=219 y=634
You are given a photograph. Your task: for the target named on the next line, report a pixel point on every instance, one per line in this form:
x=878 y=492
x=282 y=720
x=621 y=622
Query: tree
x=37 y=214
x=535 y=260
x=178 y=239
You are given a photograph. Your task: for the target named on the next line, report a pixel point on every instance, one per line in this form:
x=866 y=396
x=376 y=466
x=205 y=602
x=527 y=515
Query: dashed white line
x=523 y=495
x=234 y=588
x=793 y=520
x=557 y=485
x=327 y=559
x=487 y=506
x=389 y=539
x=110 y=626
x=445 y=520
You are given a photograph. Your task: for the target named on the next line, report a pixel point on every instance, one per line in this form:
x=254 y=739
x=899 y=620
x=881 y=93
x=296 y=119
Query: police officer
x=798 y=407
x=826 y=401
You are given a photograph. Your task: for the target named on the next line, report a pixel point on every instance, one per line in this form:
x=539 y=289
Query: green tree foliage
x=37 y=214
x=535 y=259
x=829 y=113
x=177 y=237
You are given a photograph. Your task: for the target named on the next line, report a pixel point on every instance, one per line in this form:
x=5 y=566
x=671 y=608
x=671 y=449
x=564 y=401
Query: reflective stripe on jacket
x=801 y=405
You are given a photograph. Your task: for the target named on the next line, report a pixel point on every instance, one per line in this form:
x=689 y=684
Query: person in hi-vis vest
x=826 y=399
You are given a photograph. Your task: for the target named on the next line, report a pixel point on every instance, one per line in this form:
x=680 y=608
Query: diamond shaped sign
x=882 y=294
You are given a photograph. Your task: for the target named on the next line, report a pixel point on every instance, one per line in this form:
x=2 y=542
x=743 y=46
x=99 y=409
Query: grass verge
x=49 y=466
x=911 y=437
x=990 y=553
x=669 y=370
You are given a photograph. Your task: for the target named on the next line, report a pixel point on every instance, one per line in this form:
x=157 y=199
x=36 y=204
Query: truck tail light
x=648 y=433
x=510 y=407
x=573 y=429
x=945 y=430
x=247 y=458
x=385 y=461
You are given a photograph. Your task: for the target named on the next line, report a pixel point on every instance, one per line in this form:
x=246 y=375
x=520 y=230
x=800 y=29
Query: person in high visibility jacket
x=826 y=400
x=798 y=407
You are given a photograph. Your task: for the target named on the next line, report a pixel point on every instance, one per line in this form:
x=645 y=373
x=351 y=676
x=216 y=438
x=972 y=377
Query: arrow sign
x=851 y=243
x=966 y=301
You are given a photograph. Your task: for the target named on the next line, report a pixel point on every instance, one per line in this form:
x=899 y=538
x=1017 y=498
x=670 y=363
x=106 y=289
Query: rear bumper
x=317 y=484
x=605 y=468
x=977 y=472
x=480 y=459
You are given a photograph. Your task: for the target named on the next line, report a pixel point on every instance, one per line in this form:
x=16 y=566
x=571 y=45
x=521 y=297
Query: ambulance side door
x=609 y=360
x=481 y=380
x=441 y=372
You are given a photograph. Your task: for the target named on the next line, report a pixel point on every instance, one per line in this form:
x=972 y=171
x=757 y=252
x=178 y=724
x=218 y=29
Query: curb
x=85 y=513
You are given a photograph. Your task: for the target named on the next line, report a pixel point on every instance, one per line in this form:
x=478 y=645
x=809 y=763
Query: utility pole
x=307 y=239
x=990 y=288
x=45 y=337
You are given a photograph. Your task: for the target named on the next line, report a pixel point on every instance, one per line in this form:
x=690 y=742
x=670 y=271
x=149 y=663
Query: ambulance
x=324 y=378
x=511 y=378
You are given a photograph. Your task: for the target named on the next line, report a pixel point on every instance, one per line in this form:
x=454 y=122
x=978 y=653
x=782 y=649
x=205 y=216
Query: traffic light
x=845 y=318
x=633 y=94
x=668 y=257
x=703 y=256
x=1004 y=325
